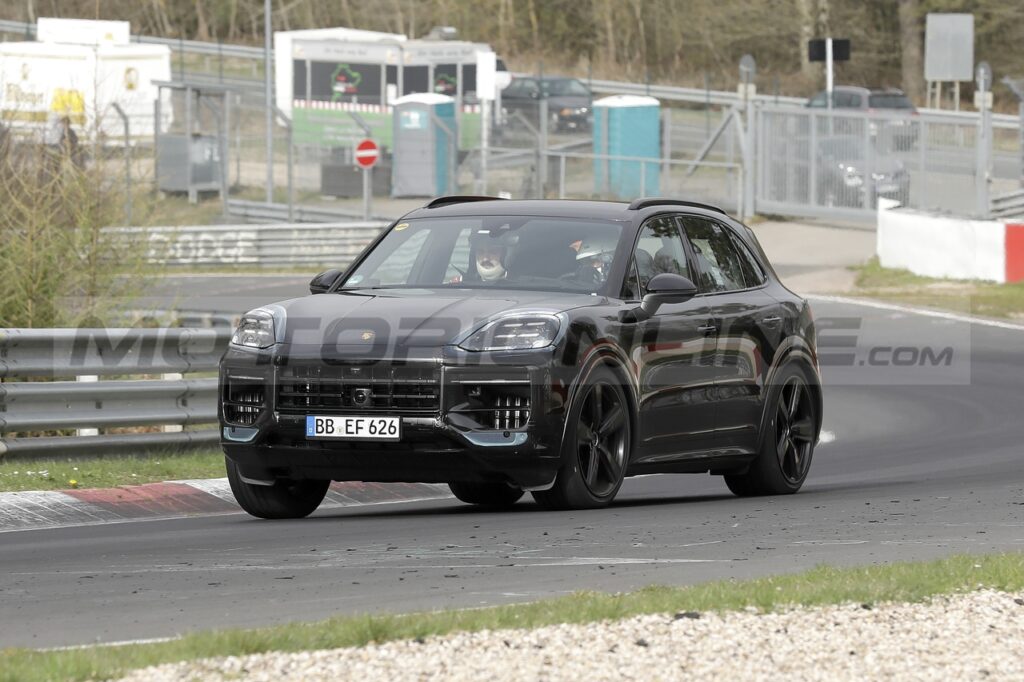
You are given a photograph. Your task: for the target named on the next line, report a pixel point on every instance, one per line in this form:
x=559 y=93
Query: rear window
x=891 y=101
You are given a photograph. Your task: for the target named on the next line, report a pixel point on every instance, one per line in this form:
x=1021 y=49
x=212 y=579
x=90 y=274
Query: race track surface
x=925 y=462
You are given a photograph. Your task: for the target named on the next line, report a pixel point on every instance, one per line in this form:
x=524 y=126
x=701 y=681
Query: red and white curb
x=938 y=245
x=35 y=510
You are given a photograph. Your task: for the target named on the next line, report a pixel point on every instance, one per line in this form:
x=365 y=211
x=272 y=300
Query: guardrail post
x=89 y=379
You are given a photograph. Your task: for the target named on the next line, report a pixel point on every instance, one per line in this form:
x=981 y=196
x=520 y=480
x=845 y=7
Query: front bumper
x=445 y=442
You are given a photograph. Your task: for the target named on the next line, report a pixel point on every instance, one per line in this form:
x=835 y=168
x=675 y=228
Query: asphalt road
x=925 y=462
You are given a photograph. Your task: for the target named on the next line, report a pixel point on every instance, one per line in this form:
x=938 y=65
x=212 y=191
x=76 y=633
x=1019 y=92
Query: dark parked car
x=851 y=170
x=898 y=128
x=570 y=102
x=503 y=346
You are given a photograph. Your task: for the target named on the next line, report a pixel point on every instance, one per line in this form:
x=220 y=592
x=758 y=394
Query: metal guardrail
x=263 y=212
x=308 y=245
x=48 y=394
x=1009 y=205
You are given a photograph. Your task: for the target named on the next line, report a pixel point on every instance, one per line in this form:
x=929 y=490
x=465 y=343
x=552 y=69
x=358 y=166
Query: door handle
x=772 y=321
x=707 y=329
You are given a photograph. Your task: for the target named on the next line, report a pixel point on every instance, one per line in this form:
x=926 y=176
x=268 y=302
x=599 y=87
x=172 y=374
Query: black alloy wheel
x=787 y=445
x=596 y=451
x=794 y=430
x=601 y=435
x=285 y=499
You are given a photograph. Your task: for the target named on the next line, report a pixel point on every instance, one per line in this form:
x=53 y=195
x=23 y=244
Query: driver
x=593 y=260
x=490 y=260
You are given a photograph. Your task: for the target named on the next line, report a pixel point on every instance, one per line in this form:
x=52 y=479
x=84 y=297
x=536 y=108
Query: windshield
x=563 y=87
x=493 y=252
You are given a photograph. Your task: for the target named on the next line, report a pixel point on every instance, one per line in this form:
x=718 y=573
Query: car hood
x=407 y=317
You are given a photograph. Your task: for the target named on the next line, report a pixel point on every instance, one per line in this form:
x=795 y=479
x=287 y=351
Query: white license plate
x=354 y=428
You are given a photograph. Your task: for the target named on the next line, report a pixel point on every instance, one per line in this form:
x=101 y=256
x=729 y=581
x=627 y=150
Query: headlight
x=515 y=333
x=255 y=330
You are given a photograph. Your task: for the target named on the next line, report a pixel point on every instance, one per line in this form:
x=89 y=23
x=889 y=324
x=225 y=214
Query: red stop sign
x=367 y=153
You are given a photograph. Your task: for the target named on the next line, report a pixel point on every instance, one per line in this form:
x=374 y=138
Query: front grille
x=242 y=401
x=360 y=387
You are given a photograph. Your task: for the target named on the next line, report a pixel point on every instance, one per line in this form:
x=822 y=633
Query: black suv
x=554 y=347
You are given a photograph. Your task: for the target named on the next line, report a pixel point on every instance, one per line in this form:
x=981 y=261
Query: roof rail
x=457 y=199
x=647 y=202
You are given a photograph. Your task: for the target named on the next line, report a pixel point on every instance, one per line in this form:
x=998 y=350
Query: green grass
x=107 y=472
x=978 y=298
x=823 y=585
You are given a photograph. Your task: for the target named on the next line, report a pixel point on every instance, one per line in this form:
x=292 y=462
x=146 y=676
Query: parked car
x=570 y=102
x=898 y=126
x=850 y=168
x=554 y=347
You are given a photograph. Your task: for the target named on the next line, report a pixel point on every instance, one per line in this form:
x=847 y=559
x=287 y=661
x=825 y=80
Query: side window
x=659 y=249
x=819 y=101
x=753 y=275
x=721 y=267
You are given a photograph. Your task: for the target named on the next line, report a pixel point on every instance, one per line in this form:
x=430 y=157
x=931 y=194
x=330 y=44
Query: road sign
x=949 y=47
x=817 y=49
x=367 y=153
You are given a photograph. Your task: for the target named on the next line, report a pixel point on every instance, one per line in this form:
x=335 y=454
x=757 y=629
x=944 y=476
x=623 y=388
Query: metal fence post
x=127 y=165
x=813 y=158
x=542 y=142
x=983 y=142
x=922 y=148
x=561 y=176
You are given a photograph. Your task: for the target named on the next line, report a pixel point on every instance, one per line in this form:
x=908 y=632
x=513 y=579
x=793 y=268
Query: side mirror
x=324 y=281
x=664 y=288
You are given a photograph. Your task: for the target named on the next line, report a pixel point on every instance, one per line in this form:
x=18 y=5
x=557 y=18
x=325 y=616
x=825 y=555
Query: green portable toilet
x=424 y=146
x=627 y=126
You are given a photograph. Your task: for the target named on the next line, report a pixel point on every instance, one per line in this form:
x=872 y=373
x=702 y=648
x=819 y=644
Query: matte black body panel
x=696 y=373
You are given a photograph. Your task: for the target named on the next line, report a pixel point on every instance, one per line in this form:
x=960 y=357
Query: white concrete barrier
x=947 y=246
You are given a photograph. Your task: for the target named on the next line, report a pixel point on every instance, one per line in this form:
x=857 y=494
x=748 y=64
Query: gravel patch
x=979 y=635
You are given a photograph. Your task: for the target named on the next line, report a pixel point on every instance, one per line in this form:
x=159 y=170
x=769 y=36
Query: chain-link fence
x=839 y=163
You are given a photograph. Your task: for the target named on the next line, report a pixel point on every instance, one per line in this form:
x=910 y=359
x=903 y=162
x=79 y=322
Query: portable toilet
x=424 y=146
x=627 y=126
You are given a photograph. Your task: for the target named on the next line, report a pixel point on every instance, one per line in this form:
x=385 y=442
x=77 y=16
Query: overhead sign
x=367 y=153
x=816 y=50
x=949 y=47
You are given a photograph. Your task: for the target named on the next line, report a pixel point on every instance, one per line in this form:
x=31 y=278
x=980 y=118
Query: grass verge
x=108 y=472
x=977 y=298
x=905 y=582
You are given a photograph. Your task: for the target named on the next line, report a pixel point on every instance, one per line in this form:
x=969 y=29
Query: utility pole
x=268 y=95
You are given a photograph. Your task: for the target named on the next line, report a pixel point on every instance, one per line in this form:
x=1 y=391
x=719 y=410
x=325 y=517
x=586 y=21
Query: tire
x=496 y=495
x=787 y=444
x=594 y=459
x=283 y=500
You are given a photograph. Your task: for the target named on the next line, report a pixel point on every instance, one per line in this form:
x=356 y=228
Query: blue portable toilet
x=424 y=145
x=627 y=125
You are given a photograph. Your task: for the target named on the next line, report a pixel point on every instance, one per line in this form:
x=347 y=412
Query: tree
x=911 y=56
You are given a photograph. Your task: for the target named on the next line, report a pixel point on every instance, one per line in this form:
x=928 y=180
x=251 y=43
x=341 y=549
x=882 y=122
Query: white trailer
x=43 y=82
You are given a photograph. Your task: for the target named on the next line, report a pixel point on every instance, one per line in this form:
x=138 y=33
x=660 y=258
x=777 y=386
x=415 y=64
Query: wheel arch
x=611 y=356
x=795 y=353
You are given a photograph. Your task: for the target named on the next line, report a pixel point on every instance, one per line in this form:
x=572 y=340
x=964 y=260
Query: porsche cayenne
x=554 y=347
